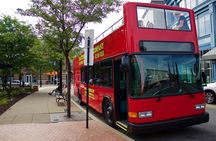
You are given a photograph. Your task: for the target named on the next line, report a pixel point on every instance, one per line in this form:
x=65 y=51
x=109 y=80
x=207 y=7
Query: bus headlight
x=147 y=114
x=200 y=106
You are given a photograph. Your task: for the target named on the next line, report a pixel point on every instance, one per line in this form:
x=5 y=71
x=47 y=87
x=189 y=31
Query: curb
x=107 y=126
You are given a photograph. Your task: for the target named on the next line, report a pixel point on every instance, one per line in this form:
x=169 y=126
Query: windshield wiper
x=158 y=92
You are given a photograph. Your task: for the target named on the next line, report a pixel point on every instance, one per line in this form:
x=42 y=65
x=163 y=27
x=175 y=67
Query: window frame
x=165 y=20
x=203 y=15
x=99 y=65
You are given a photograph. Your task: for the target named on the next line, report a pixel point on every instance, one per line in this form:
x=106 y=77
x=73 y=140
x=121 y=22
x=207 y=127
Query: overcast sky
x=8 y=7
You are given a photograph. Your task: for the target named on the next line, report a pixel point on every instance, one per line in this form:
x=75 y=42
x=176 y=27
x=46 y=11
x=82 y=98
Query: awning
x=52 y=73
x=211 y=55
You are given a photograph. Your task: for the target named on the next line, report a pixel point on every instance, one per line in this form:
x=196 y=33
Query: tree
x=44 y=57
x=65 y=19
x=16 y=40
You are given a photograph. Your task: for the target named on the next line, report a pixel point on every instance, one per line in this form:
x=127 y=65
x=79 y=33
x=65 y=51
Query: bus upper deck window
x=163 y=19
x=178 y=20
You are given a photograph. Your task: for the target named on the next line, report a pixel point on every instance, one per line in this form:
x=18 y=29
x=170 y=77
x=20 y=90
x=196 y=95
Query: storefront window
x=200 y=1
x=204 y=24
x=182 y=4
x=190 y=3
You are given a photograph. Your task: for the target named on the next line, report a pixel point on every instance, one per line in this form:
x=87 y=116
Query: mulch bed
x=3 y=108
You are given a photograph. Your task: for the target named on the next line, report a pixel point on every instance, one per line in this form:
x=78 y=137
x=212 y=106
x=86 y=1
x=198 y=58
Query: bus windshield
x=163 y=19
x=164 y=75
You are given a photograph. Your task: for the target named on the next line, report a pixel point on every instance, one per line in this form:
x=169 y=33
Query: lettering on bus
x=99 y=51
x=81 y=60
x=91 y=93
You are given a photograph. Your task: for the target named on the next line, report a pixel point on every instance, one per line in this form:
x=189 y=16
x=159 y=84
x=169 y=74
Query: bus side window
x=103 y=74
x=83 y=75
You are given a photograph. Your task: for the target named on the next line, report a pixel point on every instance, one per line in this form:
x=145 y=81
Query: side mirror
x=125 y=63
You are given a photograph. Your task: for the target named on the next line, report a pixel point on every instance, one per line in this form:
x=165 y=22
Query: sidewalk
x=38 y=117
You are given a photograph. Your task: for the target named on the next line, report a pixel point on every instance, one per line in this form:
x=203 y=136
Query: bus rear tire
x=108 y=112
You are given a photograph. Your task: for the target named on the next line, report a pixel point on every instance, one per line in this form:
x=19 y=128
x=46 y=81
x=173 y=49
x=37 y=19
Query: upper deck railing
x=111 y=29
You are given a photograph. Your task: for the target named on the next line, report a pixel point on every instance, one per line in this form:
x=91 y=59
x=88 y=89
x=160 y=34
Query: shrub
x=17 y=91
x=3 y=101
x=28 y=90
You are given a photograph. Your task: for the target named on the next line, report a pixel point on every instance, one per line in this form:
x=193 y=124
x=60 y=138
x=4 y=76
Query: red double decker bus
x=146 y=73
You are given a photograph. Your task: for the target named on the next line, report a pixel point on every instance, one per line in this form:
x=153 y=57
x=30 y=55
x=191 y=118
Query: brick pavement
x=63 y=131
x=38 y=107
x=31 y=119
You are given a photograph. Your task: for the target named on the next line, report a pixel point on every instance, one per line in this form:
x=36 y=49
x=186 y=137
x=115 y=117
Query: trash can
x=35 y=88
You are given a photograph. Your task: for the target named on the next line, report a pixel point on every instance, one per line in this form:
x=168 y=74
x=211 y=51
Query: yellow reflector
x=132 y=114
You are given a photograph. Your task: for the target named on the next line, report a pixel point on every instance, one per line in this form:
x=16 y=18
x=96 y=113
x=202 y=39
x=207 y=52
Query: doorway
x=120 y=92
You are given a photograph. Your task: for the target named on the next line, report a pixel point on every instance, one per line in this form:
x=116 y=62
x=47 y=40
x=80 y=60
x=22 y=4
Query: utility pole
x=88 y=60
x=87 y=83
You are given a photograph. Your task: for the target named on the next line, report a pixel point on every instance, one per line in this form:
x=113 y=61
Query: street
x=202 y=132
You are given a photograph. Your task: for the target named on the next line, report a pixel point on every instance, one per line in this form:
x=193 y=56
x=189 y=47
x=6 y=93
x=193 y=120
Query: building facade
x=205 y=16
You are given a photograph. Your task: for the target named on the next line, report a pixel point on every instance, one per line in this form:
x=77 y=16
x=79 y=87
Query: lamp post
x=88 y=60
x=40 y=77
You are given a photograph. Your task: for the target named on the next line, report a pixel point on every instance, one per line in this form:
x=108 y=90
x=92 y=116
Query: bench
x=60 y=96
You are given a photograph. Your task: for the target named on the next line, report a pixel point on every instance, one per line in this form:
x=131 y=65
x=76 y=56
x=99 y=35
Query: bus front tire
x=210 y=97
x=108 y=112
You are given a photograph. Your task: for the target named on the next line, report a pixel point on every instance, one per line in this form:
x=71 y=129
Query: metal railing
x=108 y=31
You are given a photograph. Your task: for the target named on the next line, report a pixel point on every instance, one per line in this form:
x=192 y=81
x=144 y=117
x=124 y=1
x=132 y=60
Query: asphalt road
x=202 y=132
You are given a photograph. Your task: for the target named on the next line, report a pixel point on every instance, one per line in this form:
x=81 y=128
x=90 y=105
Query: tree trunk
x=60 y=75
x=20 y=79
x=68 y=86
x=40 y=77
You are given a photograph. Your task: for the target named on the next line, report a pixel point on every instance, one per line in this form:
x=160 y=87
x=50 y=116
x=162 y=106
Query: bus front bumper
x=166 y=125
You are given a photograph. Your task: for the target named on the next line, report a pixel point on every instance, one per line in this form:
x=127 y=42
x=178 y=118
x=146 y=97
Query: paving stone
x=64 y=131
x=41 y=118
x=48 y=122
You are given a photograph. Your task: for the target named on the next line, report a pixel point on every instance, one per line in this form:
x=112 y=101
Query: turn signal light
x=132 y=115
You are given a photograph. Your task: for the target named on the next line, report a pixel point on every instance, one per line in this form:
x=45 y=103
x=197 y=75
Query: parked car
x=17 y=83
x=14 y=82
x=210 y=93
x=27 y=84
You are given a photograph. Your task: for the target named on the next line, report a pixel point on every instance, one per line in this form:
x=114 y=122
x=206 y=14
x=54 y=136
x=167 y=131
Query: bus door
x=120 y=92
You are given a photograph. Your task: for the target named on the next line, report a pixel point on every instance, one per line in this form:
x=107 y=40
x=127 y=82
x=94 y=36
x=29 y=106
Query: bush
x=28 y=90
x=17 y=91
x=3 y=101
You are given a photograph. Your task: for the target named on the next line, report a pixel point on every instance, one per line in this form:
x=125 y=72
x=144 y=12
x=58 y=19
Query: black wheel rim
x=209 y=97
x=108 y=112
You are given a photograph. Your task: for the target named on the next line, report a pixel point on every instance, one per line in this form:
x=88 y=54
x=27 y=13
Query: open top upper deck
x=151 y=25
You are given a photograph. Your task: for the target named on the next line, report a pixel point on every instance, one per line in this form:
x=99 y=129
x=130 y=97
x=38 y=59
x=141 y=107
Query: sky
x=8 y=7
